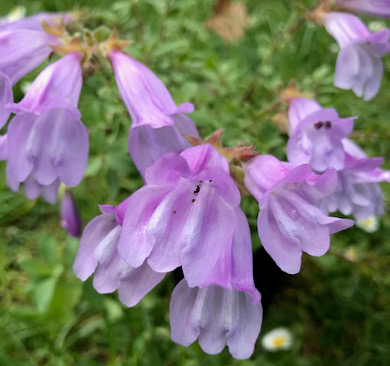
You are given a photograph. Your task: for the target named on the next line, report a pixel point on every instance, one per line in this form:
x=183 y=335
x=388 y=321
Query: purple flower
x=188 y=215
x=70 y=217
x=359 y=65
x=22 y=51
x=293 y=218
x=358 y=192
x=47 y=142
x=316 y=134
x=216 y=317
x=158 y=125
x=98 y=254
x=34 y=22
x=379 y=8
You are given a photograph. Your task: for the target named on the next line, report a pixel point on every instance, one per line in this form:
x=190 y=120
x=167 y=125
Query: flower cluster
x=187 y=214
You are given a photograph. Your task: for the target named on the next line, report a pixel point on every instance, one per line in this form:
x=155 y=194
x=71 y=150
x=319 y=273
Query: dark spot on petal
x=193 y=200
x=327 y=125
x=174 y=212
x=210 y=180
x=197 y=189
x=317 y=125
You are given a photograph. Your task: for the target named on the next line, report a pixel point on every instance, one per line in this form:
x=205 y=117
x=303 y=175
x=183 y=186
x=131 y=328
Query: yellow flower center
x=278 y=342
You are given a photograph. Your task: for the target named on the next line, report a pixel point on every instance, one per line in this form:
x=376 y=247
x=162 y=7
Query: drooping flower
x=378 y=8
x=158 y=125
x=358 y=192
x=47 y=142
x=188 y=215
x=293 y=215
x=98 y=254
x=316 y=135
x=359 y=65
x=21 y=51
x=216 y=317
x=277 y=339
x=70 y=217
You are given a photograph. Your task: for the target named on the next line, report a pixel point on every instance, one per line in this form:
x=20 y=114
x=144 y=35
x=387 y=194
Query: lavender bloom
x=22 y=51
x=158 y=125
x=379 y=8
x=216 y=317
x=70 y=217
x=316 y=134
x=188 y=215
x=34 y=22
x=98 y=254
x=292 y=216
x=47 y=141
x=359 y=65
x=358 y=192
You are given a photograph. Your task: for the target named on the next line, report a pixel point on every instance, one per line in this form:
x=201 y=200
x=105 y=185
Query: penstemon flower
x=158 y=125
x=379 y=8
x=47 y=142
x=187 y=215
x=21 y=51
x=359 y=65
x=316 y=135
x=216 y=317
x=358 y=192
x=293 y=216
x=98 y=254
x=70 y=217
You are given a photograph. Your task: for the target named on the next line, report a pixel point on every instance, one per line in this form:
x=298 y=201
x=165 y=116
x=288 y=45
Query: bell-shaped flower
x=47 y=142
x=98 y=255
x=22 y=51
x=358 y=192
x=378 y=8
x=359 y=64
x=187 y=215
x=293 y=217
x=158 y=125
x=316 y=135
x=70 y=217
x=216 y=317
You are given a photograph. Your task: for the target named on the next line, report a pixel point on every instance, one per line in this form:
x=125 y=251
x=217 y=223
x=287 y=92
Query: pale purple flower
x=98 y=254
x=70 y=217
x=22 y=51
x=293 y=216
x=379 y=8
x=216 y=317
x=188 y=215
x=47 y=142
x=34 y=22
x=358 y=192
x=316 y=135
x=158 y=125
x=359 y=65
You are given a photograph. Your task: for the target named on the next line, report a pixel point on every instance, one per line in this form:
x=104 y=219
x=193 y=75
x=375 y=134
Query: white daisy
x=277 y=339
x=370 y=225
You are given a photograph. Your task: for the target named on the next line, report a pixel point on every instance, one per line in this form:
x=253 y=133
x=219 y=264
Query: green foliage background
x=338 y=310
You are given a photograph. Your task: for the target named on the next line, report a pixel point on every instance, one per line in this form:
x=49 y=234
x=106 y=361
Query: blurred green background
x=338 y=307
